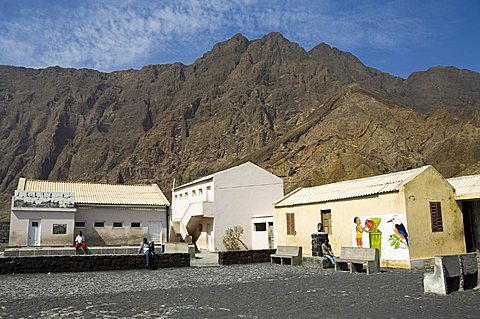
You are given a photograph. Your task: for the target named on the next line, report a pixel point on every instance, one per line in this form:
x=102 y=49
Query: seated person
x=80 y=244
x=327 y=252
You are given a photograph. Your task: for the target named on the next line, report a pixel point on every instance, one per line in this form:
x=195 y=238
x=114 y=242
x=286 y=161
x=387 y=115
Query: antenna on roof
x=173 y=184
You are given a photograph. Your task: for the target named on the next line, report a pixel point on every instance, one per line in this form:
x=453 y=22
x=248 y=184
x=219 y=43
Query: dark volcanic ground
x=246 y=291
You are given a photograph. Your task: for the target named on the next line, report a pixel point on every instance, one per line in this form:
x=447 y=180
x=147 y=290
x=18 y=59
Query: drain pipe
x=168 y=224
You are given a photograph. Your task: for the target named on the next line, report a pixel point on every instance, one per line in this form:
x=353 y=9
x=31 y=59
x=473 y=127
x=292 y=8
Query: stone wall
x=45 y=264
x=244 y=256
x=4 y=232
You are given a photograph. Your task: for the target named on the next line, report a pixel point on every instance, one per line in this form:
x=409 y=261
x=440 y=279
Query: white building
x=51 y=213
x=240 y=196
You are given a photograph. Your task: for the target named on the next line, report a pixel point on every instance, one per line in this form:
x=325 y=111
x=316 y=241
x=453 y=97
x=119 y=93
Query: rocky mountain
x=310 y=117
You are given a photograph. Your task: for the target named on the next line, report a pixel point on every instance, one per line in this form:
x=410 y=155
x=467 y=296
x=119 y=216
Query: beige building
x=239 y=196
x=467 y=194
x=410 y=216
x=51 y=213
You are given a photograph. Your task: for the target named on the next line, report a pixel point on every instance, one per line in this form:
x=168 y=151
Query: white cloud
x=108 y=35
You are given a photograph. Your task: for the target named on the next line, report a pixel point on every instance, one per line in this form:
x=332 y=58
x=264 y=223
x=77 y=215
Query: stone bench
x=287 y=255
x=356 y=259
x=451 y=273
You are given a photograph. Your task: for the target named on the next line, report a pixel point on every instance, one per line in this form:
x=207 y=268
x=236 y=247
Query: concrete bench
x=451 y=273
x=356 y=259
x=287 y=255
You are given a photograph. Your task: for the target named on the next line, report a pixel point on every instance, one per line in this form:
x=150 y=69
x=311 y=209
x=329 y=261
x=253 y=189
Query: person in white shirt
x=145 y=250
x=80 y=243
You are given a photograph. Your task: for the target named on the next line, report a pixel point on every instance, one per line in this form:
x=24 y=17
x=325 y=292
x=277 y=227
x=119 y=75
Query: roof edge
x=162 y=195
x=207 y=178
x=211 y=176
x=413 y=176
x=463 y=177
x=76 y=182
x=338 y=199
x=287 y=196
x=119 y=205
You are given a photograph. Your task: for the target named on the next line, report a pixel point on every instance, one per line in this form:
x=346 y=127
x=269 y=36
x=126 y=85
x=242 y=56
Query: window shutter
x=290 y=224
x=327 y=220
x=436 y=216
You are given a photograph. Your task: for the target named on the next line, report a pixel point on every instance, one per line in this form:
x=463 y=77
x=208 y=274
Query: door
x=209 y=238
x=469 y=226
x=155 y=232
x=34 y=232
x=270 y=235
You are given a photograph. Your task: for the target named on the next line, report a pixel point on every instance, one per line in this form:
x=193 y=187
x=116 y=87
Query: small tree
x=231 y=239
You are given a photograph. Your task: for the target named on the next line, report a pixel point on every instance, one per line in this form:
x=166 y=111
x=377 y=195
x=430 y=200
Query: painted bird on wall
x=399 y=228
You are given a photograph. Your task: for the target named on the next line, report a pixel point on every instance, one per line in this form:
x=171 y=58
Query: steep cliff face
x=310 y=117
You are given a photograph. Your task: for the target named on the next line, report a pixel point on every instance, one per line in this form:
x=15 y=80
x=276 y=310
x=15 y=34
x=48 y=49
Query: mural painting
x=388 y=233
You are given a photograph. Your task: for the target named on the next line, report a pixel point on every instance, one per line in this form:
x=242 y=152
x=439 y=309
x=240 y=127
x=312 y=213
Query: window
x=327 y=220
x=80 y=224
x=436 y=216
x=209 y=188
x=117 y=224
x=194 y=193
x=291 y=224
x=200 y=191
x=186 y=195
x=135 y=224
x=176 y=197
x=59 y=229
x=99 y=224
x=260 y=226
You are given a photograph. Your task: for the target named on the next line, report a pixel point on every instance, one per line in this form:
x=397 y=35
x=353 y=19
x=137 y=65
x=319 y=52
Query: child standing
x=359 y=231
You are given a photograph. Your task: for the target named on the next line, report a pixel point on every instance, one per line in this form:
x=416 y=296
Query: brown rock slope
x=310 y=117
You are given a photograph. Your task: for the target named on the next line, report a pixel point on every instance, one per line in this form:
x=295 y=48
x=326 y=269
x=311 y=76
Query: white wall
x=240 y=193
x=183 y=197
x=19 y=224
x=260 y=238
x=126 y=235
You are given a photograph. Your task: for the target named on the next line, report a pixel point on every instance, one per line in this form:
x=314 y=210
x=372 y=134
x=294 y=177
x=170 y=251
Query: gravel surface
x=238 y=291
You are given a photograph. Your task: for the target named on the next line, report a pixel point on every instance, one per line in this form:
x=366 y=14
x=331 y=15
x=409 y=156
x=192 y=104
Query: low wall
x=4 y=232
x=244 y=256
x=43 y=264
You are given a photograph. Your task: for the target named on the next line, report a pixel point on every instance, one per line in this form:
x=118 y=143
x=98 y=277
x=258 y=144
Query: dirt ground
x=238 y=291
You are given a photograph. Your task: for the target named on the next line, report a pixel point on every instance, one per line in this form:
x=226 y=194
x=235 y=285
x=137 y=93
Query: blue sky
x=398 y=37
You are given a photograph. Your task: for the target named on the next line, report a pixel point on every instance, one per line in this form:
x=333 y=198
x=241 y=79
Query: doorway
x=469 y=226
x=155 y=232
x=209 y=238
x=271 y=241
x=34 y=232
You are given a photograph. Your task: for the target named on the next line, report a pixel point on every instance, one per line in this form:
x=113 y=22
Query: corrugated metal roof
x=466 y=187
x=100 y=194
x=350 y=189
